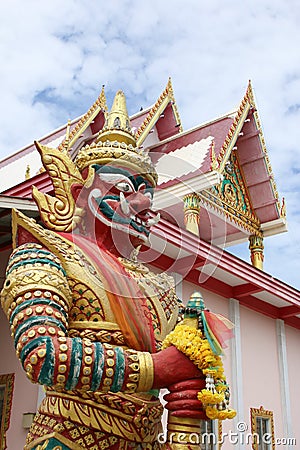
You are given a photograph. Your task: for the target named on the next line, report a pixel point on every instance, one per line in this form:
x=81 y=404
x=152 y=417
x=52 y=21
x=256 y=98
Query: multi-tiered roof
x=223 y=161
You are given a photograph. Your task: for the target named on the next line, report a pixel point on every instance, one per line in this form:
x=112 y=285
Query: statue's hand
x=182 y=400
x=172 y=366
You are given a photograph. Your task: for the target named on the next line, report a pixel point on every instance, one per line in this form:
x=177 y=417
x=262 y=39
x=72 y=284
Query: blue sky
x=56 y=55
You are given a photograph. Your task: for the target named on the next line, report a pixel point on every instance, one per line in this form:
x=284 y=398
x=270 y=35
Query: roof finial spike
x=283 y=208
x=67 y=138
x=118 y=111
x=27 y=173
x=169 y=84
x=102 y=99
x=214 y=165
x=68 y=130
x=117 y=126
x=249 y=93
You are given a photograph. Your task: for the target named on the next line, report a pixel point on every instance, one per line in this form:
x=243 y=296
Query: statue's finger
x=200 y=414
x=192 y=404
x=195 y=383
x=181 y=395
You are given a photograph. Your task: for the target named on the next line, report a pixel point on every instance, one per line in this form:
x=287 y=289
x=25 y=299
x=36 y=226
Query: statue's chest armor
x=87 y=305
x=91 y=307
x=90 y=313
x=161 y=299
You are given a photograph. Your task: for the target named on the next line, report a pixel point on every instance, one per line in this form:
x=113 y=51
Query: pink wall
x=261 y=383
x=293 y=357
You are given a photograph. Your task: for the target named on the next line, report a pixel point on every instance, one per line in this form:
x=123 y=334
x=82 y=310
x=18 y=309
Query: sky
x=55 y=57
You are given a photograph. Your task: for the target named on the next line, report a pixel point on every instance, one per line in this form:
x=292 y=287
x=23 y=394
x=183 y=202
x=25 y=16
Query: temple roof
x=224 y=160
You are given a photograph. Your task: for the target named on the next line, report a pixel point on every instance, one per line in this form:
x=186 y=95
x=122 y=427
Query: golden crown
x=116 y=144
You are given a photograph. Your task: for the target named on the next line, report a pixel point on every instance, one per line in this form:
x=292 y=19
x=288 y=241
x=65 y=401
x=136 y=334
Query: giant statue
x=90 y=323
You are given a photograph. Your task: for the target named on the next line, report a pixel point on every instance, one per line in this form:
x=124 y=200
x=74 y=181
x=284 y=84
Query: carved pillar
x=192 y=212
x=256 y=247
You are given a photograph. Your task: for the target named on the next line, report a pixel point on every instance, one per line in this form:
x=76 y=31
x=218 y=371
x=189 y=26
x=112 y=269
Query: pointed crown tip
x=116 y=142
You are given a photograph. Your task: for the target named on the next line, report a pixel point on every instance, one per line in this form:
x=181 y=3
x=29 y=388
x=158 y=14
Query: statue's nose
x=139 y=202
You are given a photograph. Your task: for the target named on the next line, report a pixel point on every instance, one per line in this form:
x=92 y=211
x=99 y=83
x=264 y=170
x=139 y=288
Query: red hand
x=172 y=366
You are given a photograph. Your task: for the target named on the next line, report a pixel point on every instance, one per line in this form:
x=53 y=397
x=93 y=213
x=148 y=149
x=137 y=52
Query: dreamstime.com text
x=240 y=436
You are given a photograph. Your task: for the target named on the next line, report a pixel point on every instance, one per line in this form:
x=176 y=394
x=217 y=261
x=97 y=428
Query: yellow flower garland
x=195 y=346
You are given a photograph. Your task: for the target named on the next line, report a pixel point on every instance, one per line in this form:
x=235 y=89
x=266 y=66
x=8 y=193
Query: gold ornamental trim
x=230 y=213
x=72 y=258
x=116 y=153
x=94 y=325
x=265 y=152
x=230 y=197
x=122 y=415
x=165 y=98
x=265 y=414
x=234 y=130
x=248 y=103
x=58 y=436
x=146 y=372
x=84 y=122
x=60 y=212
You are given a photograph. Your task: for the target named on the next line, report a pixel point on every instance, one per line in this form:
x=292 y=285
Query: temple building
x=215 y=189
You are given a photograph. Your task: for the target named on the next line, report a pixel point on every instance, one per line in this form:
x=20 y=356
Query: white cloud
x=69 y=49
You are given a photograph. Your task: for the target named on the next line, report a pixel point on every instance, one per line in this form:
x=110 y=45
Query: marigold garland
x=195 y=346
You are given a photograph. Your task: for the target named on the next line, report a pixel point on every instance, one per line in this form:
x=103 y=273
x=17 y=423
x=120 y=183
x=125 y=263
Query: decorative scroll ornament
x=59 y=213
x=231 y=198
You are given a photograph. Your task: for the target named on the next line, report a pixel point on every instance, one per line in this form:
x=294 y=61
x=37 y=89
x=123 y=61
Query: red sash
x=127 y=302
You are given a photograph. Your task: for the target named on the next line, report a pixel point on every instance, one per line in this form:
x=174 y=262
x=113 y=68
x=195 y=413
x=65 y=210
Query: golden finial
x=170 y=86
x=283 y=209
x=117 y=126
x=68 y=130
x=116 y=142
x=27 y=173
x=249 y=93
x=118 y=116
x=214 y=165
x=67 y=138
x=102 y=99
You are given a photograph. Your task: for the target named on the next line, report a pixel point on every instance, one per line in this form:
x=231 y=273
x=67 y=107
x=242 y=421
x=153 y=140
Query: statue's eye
x=124 y=186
